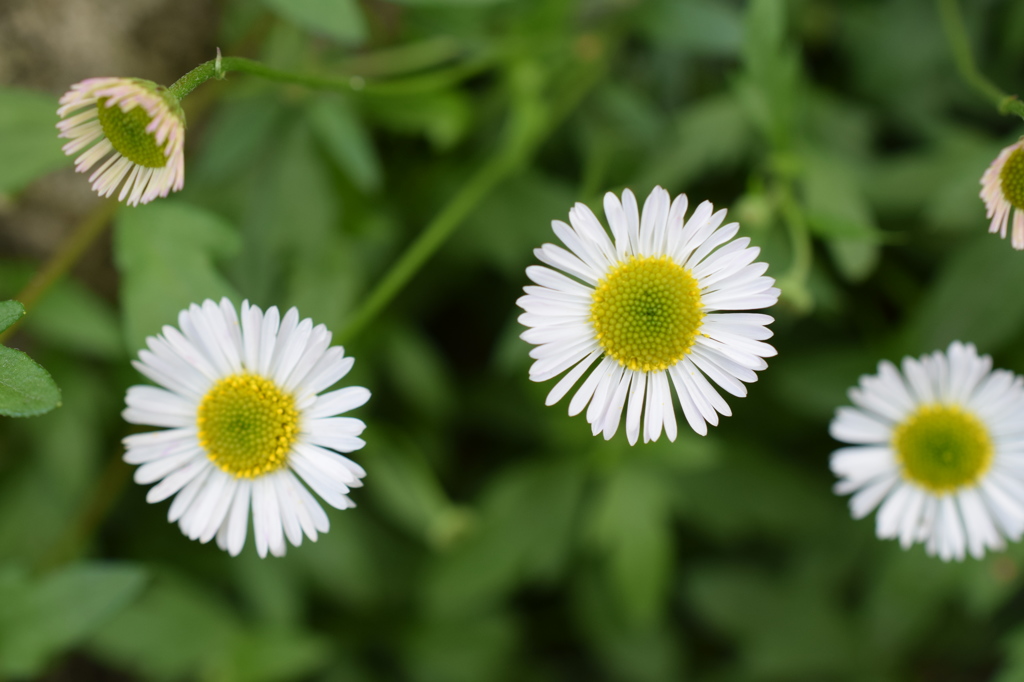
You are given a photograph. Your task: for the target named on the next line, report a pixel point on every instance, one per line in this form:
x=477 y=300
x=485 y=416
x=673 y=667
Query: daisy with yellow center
x=1003 y=192
x=133 y=128
x=245 y=419
x=939 y=450
x=652 y=307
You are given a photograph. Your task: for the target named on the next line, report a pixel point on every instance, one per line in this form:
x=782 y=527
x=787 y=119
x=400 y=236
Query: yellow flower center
x=1011 y=178
x=126 y=130
x=247 y=425
x=943 y=448
x=647 y=313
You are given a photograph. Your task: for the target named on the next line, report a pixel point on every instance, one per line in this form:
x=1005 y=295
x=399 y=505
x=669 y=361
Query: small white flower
x=136 y=125
x=938 y=449
x=645 y=306
x=1003 y=192
x=245 y=419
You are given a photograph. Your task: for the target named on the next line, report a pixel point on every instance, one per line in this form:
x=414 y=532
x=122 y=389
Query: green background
x=495 y=539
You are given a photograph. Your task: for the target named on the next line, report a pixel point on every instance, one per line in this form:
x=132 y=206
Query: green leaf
x=43 y=617
x=508 y=224
x=179 y=630
x=172 y=632
x=74 y=318
x=33 y=515
x=26 y=389
x=409 y=492
x=768 y=497
x=838 y=211
x=346 y=139
x=239 y=132
x=711 y=134
x=278 y=656
x=465 y=650
x=419 y=372
x=69 y=445
x=29 y=144
x=1013 y=670
x=10 y=312
x=465 y=3
x=298 y=223
x=352 y=565
x=770 y=87
x=444 y=118
x=701 y=27
x=165 y=252
x=965 y=303
x=631 y=524
x=70 y=316
x=339 y=19
x=524 y=534
x=787 y=627
x=637 y=654
x=812 y=382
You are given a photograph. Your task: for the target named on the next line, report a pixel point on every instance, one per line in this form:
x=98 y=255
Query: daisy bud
x=133 y=128
x=1003 y=192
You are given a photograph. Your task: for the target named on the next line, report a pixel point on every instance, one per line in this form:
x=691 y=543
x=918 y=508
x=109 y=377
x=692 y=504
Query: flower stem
x=218 y=68
x=106 y=492
x=69 y=253
x=524 y=132
x=430 y=240
x=953 y=23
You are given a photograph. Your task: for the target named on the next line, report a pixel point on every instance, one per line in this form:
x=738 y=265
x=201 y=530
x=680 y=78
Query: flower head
x=245 y=418
x=646 y=306
x=1002 y=189
x=137 y=129
x=938 y=449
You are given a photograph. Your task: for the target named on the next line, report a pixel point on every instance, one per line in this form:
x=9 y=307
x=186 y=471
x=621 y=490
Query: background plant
x=495 y=538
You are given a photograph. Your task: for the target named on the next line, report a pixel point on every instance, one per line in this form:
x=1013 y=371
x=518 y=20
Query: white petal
x=338 y=402
x=238 y=518
x=570 y=379
x=862 y=503
x=177 y=480
x=637 y=391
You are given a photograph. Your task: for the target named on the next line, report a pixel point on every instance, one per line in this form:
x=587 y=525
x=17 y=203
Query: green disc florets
x=943 y=448
x=647 y=313
x=1011 y=178
x=126 y=130
x=247 y=425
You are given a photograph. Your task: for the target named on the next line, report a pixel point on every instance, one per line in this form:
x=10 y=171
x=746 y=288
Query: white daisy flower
x=938 y=449
x=245 y=420
x=137 y=126
x=645 y=306
x=1003 y=192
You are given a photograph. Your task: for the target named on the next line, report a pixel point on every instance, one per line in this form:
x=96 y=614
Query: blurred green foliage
x=495 y=538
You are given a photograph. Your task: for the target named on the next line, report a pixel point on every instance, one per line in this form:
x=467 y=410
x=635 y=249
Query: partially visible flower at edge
x=938 y=449
x=1003 y=193
x=244 y=419
x=653 y=307
x=137 y=129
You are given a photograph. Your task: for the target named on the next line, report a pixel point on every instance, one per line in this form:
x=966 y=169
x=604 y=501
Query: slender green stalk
x=105 y=493
x=218 y=68
x=430 y=240
x=956 y=33
x=406 y=58
x=520 y=141
x=69 y=253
